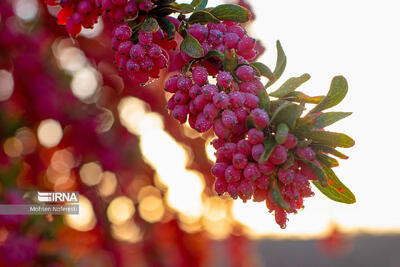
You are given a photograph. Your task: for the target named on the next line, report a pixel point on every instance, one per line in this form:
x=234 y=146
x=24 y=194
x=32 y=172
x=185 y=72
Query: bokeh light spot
x=6 y=85
x=49 y=133
x=84 y=83
x=108 y=184
x=85 y=220
x=91 y=173
x=26 y=9
x=120 y=210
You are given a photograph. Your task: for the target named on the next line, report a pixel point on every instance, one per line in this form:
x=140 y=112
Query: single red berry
x=291 y=141
x=200 y=75
x=232 y=175
x=255 y=136
x=229 y=118
x=244 y=147
x=203 y=124
x=224 y=79
x=306 y=153
x=286 y=176
x=239 y=160
x=260 y=117
x=245 y=73
x=278 y=155
x=251 y=171
x=220 y=186
x=180 y=113
x=257 y=151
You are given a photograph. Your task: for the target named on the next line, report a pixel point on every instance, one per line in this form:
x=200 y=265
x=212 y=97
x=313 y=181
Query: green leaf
x=332 y=139
x=202 y=17
x=303 y=127
x=287 y=113
x=150 y=25
x=183 y=8
x=215 y=53
x=326 y=160
x=168 y=27
x=262 y=70
x=276 y=194
x=337 y=92
x=329 y=150
x=269 y=146
x=281 y=133
x=297 y=96
x=322 y=179
x=195 y=3
x=280 y=64
x=290 y=85
x=263 y=100
x=200 y=4
x=324 y=119
x=230 y=12
x=335 y=190
x=192 y=47
x=303 y=143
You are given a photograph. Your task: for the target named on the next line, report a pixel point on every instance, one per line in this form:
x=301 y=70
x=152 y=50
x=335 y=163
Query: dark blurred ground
x=362 y=250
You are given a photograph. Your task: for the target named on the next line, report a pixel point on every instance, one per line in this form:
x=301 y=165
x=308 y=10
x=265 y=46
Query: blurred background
x=69 y=121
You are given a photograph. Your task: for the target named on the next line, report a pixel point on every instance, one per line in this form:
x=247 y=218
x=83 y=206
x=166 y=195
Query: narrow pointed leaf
x=262 y=70
x=322 y=179
x=276 y=194
x=328 y=118
x=287 y=113
x=280 y=64
x=337 y=92
x=332 y=139
x=326 y=160
x=264 y=102
x=297 y=96
x=202 y=17
x=269 y=146
x=290 y=85
x=329 y=150
x=230 y=12
x=281 y=133
x=192 y=47
x=168 y=27
x=335 y=190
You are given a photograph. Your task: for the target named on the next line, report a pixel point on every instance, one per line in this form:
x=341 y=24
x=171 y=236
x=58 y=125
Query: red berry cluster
x=144 y=59
x=226 y=107
x=77 y=14
x=221 y=36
